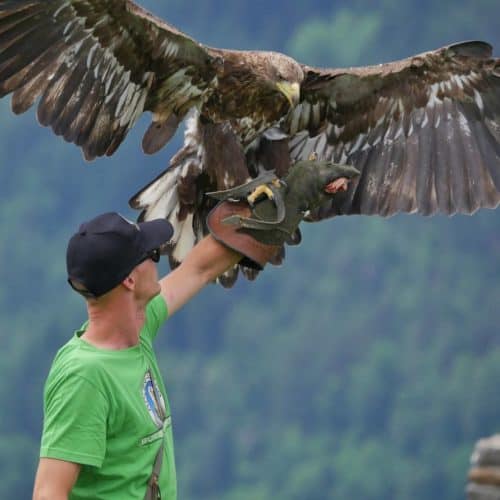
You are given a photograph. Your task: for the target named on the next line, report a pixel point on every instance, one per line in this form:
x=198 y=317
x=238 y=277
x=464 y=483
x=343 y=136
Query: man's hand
x=258 y=229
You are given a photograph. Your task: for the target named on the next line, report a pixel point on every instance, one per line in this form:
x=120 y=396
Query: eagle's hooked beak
x=291 y=91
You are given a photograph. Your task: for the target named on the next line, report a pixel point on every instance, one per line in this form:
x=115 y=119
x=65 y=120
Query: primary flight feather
x=424 y=132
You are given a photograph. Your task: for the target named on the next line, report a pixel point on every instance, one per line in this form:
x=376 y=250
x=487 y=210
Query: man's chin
x=158 y=291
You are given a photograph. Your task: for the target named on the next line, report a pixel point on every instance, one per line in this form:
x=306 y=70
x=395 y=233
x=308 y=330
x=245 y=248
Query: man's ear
x=129 y=282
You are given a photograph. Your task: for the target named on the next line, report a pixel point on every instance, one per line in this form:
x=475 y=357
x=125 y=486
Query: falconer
x=107 y=430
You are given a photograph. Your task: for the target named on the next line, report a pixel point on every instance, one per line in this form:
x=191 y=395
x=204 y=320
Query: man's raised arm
x=205 y=262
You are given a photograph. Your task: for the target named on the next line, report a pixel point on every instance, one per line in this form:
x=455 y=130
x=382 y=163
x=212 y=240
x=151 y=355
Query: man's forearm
x=55 y=479
x=205 y=262
x=211 y=258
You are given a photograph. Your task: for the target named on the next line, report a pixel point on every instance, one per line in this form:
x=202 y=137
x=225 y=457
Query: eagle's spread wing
x=97 y=65
x=424 y=131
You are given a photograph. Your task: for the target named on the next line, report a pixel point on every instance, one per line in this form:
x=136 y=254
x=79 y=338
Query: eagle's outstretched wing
x=97 y=65
x=424 y=131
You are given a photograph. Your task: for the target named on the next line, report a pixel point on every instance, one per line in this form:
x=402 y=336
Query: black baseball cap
x=104 y=250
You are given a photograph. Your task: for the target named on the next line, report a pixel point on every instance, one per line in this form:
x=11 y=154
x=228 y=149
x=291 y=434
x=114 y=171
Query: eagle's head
x=280 y=73
x=287 y=75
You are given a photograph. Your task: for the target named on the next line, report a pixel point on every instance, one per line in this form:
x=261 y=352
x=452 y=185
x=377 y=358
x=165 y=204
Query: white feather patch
x=62 y=7
x=109 y=81
x=458 y=80
x=125 y=96
x=479 y=100
x=357 y=144
x=130 y=110
x=171 y=50
x=464 y=124
x=69 y=26
x=185 y=238
x=91 y=53
x=275 y=134
x=321 y=146
x=338 y=130
x=316 y=113
x=433 y=99
x=425 y=121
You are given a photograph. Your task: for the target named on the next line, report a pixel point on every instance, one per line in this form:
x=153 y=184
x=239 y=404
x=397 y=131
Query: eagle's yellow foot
x=263 y=189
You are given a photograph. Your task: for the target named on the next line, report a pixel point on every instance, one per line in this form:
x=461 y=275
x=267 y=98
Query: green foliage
x=317 y=42
x=365 y=367
x=15 y=452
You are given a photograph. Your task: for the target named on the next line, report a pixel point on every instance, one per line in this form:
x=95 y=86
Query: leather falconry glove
x=258 y=217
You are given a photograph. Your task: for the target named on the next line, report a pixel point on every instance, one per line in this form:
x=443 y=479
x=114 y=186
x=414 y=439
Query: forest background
x=364 y=368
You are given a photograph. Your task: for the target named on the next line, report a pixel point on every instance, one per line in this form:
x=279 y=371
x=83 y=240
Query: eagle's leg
x=271 y=217
x=267 y=184
x=244 y=190
x=263 y=189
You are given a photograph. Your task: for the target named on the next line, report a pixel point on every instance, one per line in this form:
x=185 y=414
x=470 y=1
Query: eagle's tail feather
x=159 y=198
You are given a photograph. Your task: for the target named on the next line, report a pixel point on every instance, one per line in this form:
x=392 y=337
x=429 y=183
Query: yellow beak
x=291 y=91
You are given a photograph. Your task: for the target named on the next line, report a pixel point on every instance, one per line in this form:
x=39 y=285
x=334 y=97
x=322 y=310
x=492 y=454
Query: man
x=106 y=408
x=107 y=426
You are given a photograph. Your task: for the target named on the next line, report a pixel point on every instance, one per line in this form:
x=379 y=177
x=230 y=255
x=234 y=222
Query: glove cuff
x=256 y=254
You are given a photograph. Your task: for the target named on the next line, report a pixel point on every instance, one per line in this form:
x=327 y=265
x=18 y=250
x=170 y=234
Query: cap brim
x=156 y=233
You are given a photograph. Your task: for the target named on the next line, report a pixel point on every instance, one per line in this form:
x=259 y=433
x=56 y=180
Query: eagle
x=424 y=132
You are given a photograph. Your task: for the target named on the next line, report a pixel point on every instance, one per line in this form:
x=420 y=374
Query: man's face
x=147 y=285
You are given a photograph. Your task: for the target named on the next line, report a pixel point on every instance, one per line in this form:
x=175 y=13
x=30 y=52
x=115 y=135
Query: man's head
x=105 y=250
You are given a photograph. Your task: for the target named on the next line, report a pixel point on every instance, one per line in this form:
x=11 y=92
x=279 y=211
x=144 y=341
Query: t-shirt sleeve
x=156 y=315
x=74 y=427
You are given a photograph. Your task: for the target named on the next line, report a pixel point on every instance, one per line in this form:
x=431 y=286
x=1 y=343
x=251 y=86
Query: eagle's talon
x=263 y=189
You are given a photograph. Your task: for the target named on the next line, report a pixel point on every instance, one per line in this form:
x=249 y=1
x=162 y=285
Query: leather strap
x=257 y=254
x=153 y=489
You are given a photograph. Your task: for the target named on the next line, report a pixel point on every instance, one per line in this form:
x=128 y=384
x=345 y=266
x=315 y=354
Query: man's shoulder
x=73 y=359
x=156 y=315
x=157 y=306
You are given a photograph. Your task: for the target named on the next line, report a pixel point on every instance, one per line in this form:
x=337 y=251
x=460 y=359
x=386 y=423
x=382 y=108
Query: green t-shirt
x=101 y=411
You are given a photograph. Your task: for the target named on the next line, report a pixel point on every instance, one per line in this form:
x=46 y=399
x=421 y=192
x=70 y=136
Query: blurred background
x=364 y=368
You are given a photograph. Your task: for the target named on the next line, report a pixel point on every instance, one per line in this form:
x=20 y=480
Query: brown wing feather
x=424 y=131
x=97 y=66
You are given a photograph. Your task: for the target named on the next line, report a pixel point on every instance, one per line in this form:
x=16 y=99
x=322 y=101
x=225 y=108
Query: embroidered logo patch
x=153 y=399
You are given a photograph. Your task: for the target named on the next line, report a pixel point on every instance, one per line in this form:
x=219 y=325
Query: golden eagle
x=424 y=131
